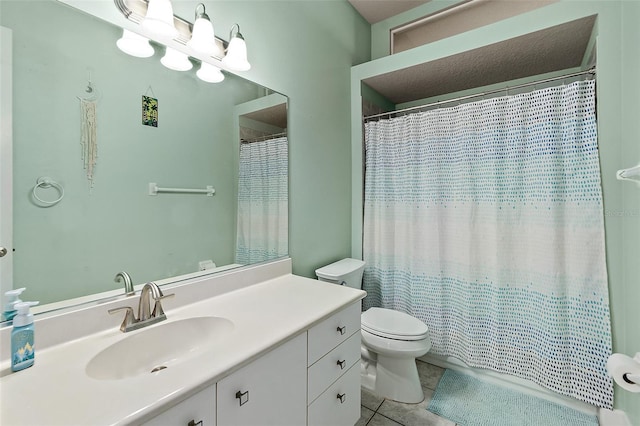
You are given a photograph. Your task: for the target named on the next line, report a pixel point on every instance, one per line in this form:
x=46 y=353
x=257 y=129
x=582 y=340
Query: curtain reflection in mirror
x=262 y=200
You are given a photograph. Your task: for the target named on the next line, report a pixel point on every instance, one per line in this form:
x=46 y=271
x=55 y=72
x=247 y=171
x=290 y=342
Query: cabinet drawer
x=269 y=391
x=334 y=330
x=201 y=407
x=333 y=365
x=330 y=410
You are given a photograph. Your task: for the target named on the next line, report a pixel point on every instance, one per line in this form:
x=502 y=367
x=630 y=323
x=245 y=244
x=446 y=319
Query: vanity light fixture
x=236 y=57
x=135 y=45
x=202 y=35
x=210 y=73
x=159 y=19
x=175 y=60
x=158 y=23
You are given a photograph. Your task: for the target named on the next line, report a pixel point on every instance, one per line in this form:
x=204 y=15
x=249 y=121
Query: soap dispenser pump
x=22 y=337
x=12 y=299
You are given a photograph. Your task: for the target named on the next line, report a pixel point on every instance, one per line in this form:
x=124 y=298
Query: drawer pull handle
x=342 y=329
x=243 y=397
x=193 y=423
x=342 y=397
x=342 y=363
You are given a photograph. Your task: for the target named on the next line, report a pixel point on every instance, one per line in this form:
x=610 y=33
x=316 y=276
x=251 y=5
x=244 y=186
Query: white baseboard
x=613 y=418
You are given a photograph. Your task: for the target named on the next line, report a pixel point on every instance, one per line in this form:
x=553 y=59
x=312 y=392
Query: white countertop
x=57 y=391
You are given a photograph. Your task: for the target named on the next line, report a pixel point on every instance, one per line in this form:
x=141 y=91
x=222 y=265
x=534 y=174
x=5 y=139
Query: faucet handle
x=129 y=317
x=157 y=307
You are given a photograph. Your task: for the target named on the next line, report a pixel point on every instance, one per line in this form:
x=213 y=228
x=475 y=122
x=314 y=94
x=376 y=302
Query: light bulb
x=210 y=73
x=202 y=36
x=135 y=45
x=236 y=58
x=159 y=19
x=175 y=60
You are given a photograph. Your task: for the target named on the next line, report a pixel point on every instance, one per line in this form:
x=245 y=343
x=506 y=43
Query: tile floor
x=377 y=411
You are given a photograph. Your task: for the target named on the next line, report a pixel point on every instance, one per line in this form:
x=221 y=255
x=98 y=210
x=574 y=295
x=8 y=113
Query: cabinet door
x=269 y=391
x=198 y=410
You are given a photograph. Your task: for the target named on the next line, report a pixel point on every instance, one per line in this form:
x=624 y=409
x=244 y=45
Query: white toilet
x=391 y=340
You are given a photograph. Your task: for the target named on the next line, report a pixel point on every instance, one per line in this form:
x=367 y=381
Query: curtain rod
x=591 y=71
x=264 y=138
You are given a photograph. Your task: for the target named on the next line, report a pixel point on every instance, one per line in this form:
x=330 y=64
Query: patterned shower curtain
x=263 y=201
x=485 y=221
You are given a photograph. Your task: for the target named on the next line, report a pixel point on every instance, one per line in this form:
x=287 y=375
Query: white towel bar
x=154 y=189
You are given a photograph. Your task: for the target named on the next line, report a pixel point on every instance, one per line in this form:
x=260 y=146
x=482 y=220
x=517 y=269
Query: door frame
x=6 y=159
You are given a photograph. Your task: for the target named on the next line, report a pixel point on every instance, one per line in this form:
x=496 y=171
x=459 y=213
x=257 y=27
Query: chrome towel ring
x=45 y=182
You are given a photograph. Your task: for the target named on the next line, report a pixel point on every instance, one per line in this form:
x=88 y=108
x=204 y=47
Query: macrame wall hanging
x=88 y=130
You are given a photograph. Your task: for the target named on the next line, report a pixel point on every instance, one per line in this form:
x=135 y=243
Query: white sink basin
x=158 y=347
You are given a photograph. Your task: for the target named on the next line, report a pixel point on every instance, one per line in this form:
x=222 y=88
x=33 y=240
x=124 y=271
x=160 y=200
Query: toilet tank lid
x=339 y=269
x=393 y=323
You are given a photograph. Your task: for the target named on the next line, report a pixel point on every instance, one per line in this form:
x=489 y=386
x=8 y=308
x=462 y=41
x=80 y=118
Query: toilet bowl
x=391 y=341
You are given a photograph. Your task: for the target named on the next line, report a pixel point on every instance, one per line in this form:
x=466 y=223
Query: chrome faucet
x=150 y=290
x=128 y=283
x=146 y=316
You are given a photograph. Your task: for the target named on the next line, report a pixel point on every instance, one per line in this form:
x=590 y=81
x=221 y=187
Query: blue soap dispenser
x=12 y=299
x=23 y=351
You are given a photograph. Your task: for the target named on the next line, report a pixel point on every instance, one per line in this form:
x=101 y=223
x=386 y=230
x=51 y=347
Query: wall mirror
x=146 y=125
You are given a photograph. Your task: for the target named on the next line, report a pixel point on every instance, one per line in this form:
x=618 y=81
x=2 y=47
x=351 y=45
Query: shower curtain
x=485 y=221
x=262 y=230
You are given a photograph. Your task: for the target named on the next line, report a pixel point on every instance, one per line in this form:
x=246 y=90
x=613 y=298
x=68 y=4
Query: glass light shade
x=236 y=58
x=210 y=73
x=203 y=39
x=135 y=45
x=175 y=60
x=159 y=19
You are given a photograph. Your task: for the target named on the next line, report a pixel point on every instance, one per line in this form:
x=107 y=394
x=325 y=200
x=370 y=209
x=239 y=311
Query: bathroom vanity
x=257 y=346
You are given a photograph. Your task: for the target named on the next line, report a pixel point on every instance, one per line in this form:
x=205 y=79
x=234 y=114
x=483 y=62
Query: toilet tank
x=346 y=272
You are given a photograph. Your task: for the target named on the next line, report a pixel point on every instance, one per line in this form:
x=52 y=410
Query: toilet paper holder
x=625 y=371
x=630 y=378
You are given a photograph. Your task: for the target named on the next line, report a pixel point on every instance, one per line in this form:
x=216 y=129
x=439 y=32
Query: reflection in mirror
x=79 y=119
x=262 y=181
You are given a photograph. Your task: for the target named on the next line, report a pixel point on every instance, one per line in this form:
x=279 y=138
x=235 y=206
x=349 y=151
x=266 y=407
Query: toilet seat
x=394 y=325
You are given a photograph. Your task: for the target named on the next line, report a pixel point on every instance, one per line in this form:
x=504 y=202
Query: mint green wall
x=376 y=98
x=380 y=43
x=626 y=293
x=618 y=38
x=305 y=50
x=77 y=246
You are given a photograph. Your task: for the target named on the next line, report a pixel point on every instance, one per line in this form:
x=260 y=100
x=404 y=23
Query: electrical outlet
x=203 y=265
